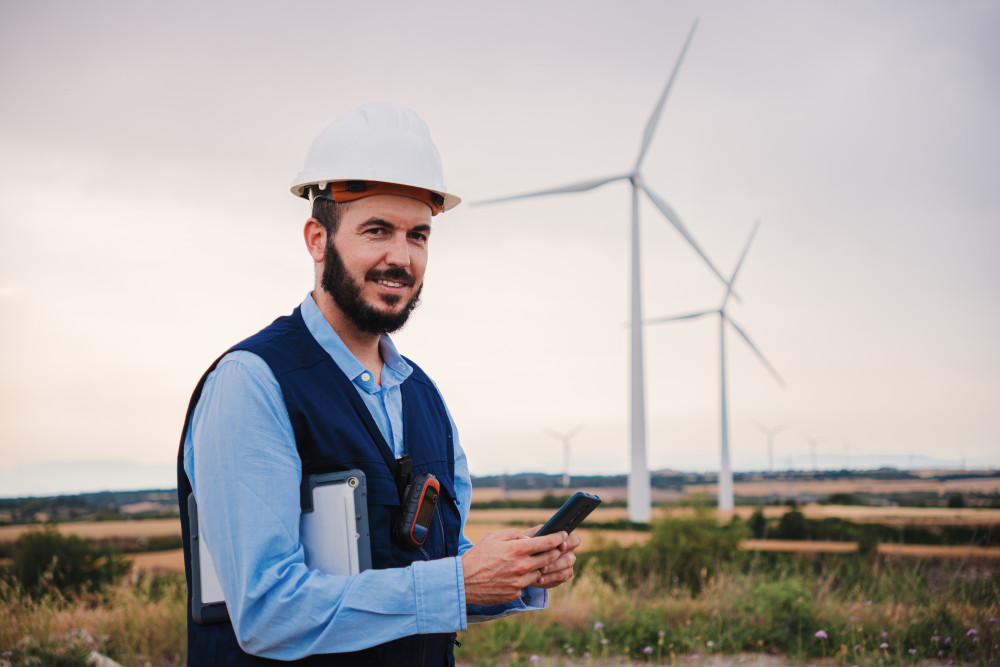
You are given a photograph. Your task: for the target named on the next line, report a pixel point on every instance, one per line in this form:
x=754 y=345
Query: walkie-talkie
x=420 y=498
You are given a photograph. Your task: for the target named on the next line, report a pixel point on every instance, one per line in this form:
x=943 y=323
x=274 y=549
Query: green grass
x=688 y=591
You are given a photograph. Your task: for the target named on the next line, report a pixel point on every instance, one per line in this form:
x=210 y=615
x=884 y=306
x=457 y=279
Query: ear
x=315 y=236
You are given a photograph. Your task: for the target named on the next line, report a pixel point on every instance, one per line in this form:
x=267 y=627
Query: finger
x=564 y=561
x=534 y=545
x=571 y=542
x=531 y=531
x=505 y=535
x=553 y=579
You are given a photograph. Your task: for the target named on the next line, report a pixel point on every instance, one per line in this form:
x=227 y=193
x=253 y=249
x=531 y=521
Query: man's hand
x=506 y=561
x=561 y=570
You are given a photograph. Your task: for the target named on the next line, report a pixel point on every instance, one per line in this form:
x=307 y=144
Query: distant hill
x=85 y=476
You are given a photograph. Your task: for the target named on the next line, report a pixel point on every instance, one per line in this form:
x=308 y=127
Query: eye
x=420 y=237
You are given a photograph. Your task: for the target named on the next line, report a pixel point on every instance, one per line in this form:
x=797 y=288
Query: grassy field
x=683 y=592
x=694 y=590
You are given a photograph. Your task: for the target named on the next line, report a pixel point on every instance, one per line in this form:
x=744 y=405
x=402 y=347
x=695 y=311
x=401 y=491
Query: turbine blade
x=654 y=118
x=771 y=431
x=685 y=316
x=581 y=186
x=739 y=264
x=573 y=431
x=675 y=220
x=746 y=339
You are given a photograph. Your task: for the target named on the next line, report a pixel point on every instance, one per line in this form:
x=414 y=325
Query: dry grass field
x=483 y=521
x=825 y=487
x=98 y=530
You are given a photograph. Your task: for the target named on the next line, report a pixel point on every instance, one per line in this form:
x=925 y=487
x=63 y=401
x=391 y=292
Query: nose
x=398 y=253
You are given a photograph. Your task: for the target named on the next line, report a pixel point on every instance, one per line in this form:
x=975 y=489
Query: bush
x=45 y=559
x=680 y=552
x=758 y=524
x=792 y=526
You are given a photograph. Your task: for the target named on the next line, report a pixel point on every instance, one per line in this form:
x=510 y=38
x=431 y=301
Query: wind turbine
x=812 y=448
x=639 y=496
x=564 y=438
x=770 y=433
x=726 y=499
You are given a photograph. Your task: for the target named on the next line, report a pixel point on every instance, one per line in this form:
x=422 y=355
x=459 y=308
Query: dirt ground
x=737 y=660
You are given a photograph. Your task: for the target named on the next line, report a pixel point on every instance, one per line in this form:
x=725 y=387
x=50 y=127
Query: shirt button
x=365 y=377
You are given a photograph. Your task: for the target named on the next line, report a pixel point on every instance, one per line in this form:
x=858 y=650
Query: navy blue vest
x=335 y=431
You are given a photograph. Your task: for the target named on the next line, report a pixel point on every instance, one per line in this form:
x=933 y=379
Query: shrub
x=758 y=524
x=793 y=526
x=45 y=559
x=681 y=552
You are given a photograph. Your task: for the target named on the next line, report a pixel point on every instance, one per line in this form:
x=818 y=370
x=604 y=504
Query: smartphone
x=571 y=514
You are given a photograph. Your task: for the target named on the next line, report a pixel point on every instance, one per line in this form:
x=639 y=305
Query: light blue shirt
x=241 y=459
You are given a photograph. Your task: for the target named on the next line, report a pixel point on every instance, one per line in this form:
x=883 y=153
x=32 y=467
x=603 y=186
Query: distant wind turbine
x=812 y=448
x=639 y=494
x=726 y=496
x=770 y=433
x=565 y=438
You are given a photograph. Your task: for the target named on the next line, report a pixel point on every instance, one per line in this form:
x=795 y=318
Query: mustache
x=395 y=274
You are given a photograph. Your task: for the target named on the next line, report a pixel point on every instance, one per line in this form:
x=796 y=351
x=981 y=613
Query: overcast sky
x=146 y=222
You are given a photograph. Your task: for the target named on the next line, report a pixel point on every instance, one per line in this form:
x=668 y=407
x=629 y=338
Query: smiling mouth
x=390 y=283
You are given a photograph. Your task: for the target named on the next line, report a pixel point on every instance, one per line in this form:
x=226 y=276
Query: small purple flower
x=857 y=647
x=604 y=641
x=993 y=620
x=951 y=662
x=710 y=644
x=586 y=655
x=821 y=634
x=936 y=638
x=912 y=651
x=883 y=645
x=598 y=626
x=851 y=619
x=971 y=632
x=884 y=635
x=695 y=656
x=648 y=650
x=663 y=633
x=570 y=650
x=534 y=658
x=947 y=640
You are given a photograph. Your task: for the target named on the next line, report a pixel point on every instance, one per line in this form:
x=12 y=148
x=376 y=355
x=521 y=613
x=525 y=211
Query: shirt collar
x=395 y=370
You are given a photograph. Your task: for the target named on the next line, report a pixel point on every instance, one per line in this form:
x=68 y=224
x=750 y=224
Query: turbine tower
x=639 y=494
x=726 y=497
x=564 y=438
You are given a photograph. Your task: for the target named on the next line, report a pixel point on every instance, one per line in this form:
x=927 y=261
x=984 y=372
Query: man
x=325 y=390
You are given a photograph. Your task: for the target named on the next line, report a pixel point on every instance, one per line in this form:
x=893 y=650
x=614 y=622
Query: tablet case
x=333 y=529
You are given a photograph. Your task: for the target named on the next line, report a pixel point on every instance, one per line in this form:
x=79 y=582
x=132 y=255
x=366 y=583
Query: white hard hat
x=378 y=143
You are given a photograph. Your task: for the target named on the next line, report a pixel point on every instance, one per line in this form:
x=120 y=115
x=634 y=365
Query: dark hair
x=328 y=213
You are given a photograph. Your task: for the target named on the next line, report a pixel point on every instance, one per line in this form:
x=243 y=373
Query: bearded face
x=386 y=315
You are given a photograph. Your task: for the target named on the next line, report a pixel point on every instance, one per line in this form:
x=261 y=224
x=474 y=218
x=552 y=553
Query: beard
x=346 y=293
